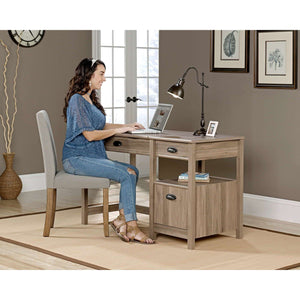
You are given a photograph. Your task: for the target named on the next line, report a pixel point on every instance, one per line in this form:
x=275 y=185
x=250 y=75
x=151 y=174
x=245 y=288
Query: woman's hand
x=117 y=126
x=125 y=129
x=129 y=127
x=136 y=125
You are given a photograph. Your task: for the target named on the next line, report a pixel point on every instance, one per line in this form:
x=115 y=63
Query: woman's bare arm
x=113 y=126
x=97 y=135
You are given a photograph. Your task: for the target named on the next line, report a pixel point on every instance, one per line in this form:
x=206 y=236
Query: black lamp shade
x=176 y=91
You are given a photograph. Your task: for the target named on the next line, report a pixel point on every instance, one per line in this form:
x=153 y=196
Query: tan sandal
x=116 y=229
x=133 y=231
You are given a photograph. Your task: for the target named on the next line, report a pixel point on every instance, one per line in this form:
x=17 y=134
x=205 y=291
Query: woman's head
x=98 y=77
x=89 y=75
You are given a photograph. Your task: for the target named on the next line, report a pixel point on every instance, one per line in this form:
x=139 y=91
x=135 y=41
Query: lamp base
x=201 y=131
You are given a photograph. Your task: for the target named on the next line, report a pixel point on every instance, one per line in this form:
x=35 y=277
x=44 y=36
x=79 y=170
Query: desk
x=199 y=209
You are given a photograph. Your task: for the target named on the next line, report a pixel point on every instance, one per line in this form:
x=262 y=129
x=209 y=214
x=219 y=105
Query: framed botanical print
x=229 y=51
x=275 y=59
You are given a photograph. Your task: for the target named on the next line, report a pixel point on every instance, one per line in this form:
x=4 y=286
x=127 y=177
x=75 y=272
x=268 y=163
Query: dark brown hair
x=79 y=84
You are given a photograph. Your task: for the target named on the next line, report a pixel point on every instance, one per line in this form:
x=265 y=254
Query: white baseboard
x=272 y=213
x=259 y=211
x=272 y=224
x=33 y=182
x=272 y=208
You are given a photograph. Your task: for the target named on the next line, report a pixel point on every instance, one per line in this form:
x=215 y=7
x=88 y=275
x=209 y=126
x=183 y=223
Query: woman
x=84 y=152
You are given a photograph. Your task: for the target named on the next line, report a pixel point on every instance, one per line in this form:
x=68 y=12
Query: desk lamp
x=177 y=91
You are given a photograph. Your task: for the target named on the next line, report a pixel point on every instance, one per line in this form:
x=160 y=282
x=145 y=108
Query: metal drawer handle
x=172 y=149
x=170 y=197
x=117 y=143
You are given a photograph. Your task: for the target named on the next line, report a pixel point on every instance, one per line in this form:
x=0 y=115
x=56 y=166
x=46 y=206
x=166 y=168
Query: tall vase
x=10 y=182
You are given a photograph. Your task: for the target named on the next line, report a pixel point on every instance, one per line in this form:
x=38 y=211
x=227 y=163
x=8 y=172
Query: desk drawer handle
x=170 y=197
x=172 y=149
x=117 y=143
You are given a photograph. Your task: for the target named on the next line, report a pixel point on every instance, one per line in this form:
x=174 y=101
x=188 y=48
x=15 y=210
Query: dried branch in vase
x=8 y=127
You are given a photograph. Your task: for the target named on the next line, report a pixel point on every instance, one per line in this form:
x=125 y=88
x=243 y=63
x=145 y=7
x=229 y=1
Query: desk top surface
x=182 y=136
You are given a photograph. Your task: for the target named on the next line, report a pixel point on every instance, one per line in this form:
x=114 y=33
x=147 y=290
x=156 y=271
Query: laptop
x=159 y=120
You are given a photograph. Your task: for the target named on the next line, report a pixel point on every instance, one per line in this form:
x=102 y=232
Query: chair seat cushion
x=65 y=180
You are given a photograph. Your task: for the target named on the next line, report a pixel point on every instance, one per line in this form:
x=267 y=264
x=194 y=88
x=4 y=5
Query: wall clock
x=26 y=38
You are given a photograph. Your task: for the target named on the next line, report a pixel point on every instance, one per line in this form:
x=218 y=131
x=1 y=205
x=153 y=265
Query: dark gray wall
x=268 y=118
x=44 y=74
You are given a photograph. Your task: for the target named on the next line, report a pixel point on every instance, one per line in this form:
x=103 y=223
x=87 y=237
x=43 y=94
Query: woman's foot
x=119 y=226
x=136 y=235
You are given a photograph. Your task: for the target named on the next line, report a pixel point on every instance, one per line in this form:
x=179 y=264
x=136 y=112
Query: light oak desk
x=189 y=210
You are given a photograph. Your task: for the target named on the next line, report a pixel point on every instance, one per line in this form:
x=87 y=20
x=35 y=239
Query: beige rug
x=85 y=244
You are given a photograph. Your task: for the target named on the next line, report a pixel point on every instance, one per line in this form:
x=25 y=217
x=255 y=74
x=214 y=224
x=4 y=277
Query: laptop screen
x=161 y=116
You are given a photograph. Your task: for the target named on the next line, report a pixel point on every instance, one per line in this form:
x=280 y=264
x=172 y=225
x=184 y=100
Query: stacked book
x=200 y=177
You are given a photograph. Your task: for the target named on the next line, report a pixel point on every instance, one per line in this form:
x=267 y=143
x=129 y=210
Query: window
x=132 y=62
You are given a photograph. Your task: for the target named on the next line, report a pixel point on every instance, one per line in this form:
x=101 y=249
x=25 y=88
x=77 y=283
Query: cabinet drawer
x=168 y=149
x=128 y=145
x=170 y=207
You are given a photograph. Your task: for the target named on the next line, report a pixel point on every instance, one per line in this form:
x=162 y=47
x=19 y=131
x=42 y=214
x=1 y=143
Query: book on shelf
x=199 y=177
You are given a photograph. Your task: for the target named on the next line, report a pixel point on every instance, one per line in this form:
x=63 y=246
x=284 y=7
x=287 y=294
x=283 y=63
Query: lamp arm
x=197 y=74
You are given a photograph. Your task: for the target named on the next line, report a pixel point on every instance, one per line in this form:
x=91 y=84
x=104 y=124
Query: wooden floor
x=14 y=257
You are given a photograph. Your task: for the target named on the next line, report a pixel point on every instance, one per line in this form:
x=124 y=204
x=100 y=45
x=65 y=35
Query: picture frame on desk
x=275 y=59
x=212 y=128
x=229 y=51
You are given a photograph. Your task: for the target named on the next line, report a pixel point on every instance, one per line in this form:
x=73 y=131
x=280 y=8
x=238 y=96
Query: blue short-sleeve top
x=83 y=116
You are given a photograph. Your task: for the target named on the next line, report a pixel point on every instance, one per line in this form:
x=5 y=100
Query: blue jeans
x=114 y=170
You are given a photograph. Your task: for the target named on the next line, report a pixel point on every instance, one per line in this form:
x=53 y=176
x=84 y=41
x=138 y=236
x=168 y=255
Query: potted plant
x=10 y=182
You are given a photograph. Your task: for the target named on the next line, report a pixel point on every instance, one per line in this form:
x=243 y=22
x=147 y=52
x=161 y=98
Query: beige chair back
x=48 y=147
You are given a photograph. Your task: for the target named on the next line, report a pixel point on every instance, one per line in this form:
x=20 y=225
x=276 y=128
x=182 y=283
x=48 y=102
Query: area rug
x=86 y=244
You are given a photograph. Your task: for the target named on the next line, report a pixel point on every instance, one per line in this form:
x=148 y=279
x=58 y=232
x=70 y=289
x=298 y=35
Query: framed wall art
x=275 y=59
x=229 y=51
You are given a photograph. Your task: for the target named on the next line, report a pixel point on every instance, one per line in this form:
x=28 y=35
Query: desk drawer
x=170 y=207
x=127 y=145
x=169 y=149
x=218 y=150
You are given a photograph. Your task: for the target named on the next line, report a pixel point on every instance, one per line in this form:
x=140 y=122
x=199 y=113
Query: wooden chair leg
x=53 y=207
x=105 y=211
x=49 y=212
x=84 y=206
